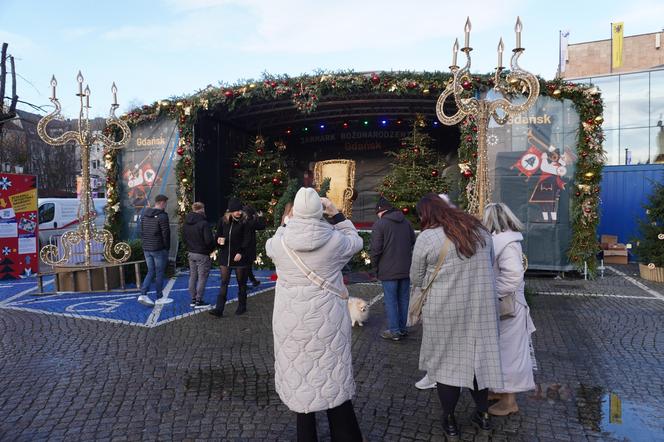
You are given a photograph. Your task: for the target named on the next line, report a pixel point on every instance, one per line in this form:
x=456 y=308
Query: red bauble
x=416 y=150
x=434 y=173
x=236 y=164
x=467 y=85
x=180 y=151
x=260 y=152
x=587 y=210
x=273 y=84
x=467 y=173
x=276 y=181
x=578 y=193
x=474 y=154
x=375 y=79
x=469 y=138
x=411 y=85
x=474 y=128
x=405 y=210
x=584 y=154
x=228 y=94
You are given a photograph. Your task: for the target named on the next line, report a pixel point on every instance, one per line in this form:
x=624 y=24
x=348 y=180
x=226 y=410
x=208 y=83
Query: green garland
x=305 y=92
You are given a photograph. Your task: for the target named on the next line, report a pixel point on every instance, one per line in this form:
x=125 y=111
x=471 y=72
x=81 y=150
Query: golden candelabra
x=87 y=232
x=479 y=188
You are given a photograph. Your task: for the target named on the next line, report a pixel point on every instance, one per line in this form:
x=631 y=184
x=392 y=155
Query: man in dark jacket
x=156 y=238
x=198 y=238
x=392 y=240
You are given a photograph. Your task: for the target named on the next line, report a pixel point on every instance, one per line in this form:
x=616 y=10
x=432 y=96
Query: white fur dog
x=359 y=311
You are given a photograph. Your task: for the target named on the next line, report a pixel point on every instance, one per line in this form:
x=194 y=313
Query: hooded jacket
x=311 y=326
x=197 y=234
x=155 y=230
x=392 y=240
x=237 y=240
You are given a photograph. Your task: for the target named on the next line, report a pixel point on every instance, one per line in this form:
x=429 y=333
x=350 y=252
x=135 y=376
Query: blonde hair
x=499 y=218
x=197 y=206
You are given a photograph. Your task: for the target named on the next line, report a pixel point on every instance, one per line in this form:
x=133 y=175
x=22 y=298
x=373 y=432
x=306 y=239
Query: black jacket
x=197 y=234
x=155 y=230
x=237 y=236
x=254 y=222
x=392 y=240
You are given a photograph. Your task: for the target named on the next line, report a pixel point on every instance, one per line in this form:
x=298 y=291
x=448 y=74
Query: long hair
x=464 y=230
x=228 y=215
x=499 y=218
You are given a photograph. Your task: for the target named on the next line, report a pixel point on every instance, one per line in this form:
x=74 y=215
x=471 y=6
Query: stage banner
x=148 y=169
x=532 y=160
x=18 y=226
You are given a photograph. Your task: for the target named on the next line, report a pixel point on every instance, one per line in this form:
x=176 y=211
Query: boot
x=482 y=421
x=242 y=301
x=218 y=310
x=450 y=428
x=506 y=406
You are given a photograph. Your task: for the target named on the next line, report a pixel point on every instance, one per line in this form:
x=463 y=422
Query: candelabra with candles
x=479 y=189
x=87 y=232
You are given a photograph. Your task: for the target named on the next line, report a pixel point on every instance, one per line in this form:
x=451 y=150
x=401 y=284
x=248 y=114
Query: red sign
x=19 y=223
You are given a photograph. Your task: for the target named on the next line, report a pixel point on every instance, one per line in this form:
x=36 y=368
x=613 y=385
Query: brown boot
x=506 y=406
x=495 y=396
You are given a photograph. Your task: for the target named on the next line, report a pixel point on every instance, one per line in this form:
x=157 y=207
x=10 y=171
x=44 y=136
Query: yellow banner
x=24 y=201
x=617 y=44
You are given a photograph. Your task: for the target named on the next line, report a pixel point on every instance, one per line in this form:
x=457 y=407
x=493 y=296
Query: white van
x=58 y=215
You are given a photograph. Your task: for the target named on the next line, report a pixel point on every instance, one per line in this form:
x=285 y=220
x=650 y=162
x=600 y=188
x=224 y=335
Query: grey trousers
x=199 y=269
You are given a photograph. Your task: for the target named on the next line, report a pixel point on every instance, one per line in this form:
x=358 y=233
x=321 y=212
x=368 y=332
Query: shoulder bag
x=419 y=297
x=507 y=304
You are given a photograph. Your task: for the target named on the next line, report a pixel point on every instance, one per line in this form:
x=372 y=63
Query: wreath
x=306 y=100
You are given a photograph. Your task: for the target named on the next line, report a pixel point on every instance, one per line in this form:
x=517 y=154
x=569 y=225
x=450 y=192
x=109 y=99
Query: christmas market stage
x=122 y=308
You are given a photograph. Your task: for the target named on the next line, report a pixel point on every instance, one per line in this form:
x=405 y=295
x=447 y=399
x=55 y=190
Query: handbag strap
x=439 y=264
x=310 y=274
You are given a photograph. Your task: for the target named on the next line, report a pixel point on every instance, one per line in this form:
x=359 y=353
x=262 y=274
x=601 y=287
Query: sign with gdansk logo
x=524 y=119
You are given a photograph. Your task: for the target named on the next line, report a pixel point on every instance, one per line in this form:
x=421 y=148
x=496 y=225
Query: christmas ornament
x=556 y=93
x=180 y=151
x=276 y=181
x=405 y=210
x=660 y=236
x=228 y=94
x=416 y=150
x=236 y=164
x=599 y=119
x=375 y=79
x=467 y=173
x=434 y=173
x=467 y=85
x=260 y=152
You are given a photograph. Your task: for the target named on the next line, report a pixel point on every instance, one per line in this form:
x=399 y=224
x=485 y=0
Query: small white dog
x=359 y=311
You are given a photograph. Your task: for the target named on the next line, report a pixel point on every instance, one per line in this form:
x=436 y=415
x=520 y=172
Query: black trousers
x=449 y=396
x=342 y=421
x=241 y=274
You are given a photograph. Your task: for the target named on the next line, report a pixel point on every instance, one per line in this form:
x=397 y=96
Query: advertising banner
x=148 y=169
x=532 y=160
x=18 y=226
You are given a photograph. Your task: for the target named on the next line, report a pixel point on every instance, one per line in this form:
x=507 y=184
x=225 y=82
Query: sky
x=159 y=49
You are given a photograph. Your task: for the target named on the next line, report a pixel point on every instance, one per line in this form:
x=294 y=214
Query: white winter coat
x=311 y=326
x=515 y=332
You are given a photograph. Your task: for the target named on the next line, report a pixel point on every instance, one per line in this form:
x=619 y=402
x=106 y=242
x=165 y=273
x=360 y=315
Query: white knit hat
x=307 y=204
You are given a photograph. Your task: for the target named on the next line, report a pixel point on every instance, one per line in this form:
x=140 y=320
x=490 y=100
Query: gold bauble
x=184 y=180
x=426 y=91
x=557 y=93
x=599 y=119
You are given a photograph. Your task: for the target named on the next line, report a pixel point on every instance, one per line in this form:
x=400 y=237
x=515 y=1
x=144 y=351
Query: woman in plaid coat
x=460 y=318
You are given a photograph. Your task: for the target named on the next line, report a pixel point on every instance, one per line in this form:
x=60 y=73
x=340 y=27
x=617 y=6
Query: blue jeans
x=397 y=296
x=156 y=262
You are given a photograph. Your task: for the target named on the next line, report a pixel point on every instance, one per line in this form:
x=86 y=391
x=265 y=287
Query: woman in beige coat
x=311 y=322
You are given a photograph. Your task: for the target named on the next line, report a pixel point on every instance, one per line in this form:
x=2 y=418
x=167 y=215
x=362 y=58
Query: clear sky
x=162 y=48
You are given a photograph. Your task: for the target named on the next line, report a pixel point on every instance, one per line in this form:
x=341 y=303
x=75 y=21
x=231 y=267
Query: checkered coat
x=460 y=317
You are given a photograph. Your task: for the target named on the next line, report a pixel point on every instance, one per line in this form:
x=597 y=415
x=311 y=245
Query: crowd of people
x=476 y=324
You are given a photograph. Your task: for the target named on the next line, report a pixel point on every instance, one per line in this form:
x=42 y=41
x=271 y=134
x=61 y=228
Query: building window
x=634 y=101
x=656 y=98
x=610 y=88
x=634 y=146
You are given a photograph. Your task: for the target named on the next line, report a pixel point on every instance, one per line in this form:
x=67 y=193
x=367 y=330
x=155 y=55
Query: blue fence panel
x=625 y=189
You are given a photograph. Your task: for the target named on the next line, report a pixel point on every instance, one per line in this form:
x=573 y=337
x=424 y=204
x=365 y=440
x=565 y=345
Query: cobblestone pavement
x=202 y=378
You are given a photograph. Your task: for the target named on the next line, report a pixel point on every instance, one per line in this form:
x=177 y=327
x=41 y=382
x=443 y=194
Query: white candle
x=87 y=96
x=501 y=46
x=54 y=83
x=79 y=78
x=517 y=28
x=455 y=49
x=114 y=89
x=467 y=33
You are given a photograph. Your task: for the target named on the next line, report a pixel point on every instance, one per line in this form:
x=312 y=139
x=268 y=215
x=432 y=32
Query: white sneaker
x=425 y=383
x=143 y=299
x=163 y=300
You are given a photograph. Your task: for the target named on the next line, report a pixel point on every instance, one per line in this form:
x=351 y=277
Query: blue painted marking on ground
x=121 y=307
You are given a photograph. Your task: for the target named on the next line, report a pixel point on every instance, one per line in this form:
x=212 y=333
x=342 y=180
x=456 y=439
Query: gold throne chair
x=342 y=183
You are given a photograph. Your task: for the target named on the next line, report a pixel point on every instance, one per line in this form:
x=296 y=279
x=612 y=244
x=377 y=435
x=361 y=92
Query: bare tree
x=11 y=113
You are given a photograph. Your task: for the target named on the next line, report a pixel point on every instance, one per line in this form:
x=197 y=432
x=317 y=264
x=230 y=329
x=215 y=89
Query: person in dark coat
x=392 y=240
x=233 y=237
x=200 y=243
x=156 y=241
x=256 y=221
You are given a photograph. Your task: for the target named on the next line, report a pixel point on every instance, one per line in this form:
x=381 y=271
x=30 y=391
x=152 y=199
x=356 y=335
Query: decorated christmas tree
x=650 y=248
x=260 y=176
x=416 y=171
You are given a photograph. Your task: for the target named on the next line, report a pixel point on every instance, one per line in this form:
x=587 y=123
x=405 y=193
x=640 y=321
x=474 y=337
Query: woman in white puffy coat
x=515 y=331
x=311 y=324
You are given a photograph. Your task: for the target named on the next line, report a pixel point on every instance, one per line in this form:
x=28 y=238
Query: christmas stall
x=259 y=138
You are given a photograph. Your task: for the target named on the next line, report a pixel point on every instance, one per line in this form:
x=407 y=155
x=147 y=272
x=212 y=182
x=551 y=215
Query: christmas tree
x=416 y=171
x=260 y=176
x=650 y=247
x=6 y=270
